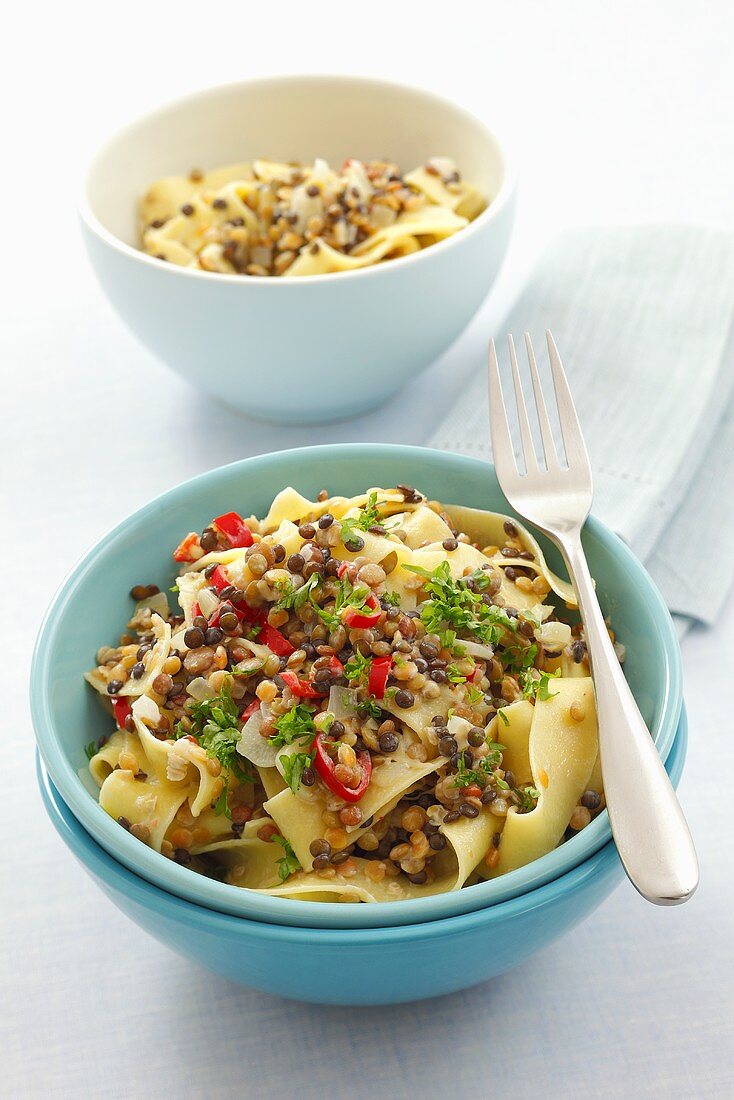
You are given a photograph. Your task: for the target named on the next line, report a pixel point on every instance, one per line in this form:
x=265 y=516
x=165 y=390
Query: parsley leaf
x=391 y=598
x=294 y=598
x=295 y=725
x=357 y=667
x=347 y=595
x=454 y=675
x=473 y=695
x=501 y=714
x=215 y=723
x=368 y=708
x=90 y=749
x=289 y=864
x=484 y=769
x=538 y=688
x=520 y=658
x=293 y=767
x=457 y=605
x=369 y=516
x=529 y=797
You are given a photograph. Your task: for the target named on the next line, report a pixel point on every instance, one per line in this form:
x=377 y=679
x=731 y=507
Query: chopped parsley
x=538 y=687
x=295 y=725
x=294 y=598
x=466 y=776
x=455 y=605
x=357 y=668
x=528 y=796
x=391 y=598
x=90 y=749
x=293 y=765
x=369 y=516
x=215 y=723
x=473 y=695
x=368 y=708
x=288 y=864
x=520 y=658
x=454 y=675
x=501 y=714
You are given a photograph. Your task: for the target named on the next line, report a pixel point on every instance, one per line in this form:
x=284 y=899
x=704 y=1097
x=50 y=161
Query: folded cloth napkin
x=642 y=317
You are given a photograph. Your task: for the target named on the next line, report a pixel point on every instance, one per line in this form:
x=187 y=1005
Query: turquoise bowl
x=361 y=966
x=93 y=604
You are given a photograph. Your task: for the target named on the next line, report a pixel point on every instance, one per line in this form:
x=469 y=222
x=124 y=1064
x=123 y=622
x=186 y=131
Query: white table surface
x=620 y=112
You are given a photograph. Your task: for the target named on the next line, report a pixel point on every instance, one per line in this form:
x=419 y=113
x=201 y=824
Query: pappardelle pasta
x=269 y=218
x=357 y=699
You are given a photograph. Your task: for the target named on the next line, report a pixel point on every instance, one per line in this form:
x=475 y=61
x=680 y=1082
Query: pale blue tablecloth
x=642 y=317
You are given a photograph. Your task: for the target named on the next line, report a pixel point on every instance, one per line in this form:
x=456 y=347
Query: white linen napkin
x=642 y=317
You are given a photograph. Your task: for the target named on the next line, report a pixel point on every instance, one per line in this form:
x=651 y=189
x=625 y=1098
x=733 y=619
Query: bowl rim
x=79 y=841
x=215 y=895
x=491 y=212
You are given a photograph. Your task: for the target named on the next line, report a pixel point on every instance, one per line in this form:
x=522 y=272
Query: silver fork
x=647 y=822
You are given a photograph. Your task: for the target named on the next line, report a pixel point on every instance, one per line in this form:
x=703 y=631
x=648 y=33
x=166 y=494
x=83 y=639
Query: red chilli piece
x=362 y=618
x=234 y=527
x=300 y=688
x=184 y=548
x=248 y=712
x=378 y=675
x=218 y=579
x=276 y=642
x=325 y=765
x=122 y=710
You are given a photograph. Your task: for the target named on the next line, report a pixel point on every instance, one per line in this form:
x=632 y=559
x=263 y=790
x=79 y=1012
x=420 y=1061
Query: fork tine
x=546 y=432
x=573 y=439
x=531 y=460
x=503 y=454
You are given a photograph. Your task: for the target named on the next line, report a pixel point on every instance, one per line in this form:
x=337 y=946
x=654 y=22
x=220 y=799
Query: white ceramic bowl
x=320 y=347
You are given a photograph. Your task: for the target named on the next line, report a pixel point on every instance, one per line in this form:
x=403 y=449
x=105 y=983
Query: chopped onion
x=476 y=649
x=208 y=602
x=459 y=729
x=146 y=710
x=253 y=746
x=539 y=612
x=158 y=605
x=554 y=636
x=199 y=689
x=342 y=702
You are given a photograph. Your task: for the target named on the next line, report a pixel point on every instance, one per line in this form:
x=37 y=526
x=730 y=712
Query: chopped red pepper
x=184 y=548
x=122 y=710
x=341 y=570
x=335 y=666
x=275 y=641
x=301 y=688
x=234 y=527
x=325 y=766
x=363 y=617
x=248 y=614
x=249 y=711
x=379 y=672
x=244 y=613
x=195 y=611
x=218 y=579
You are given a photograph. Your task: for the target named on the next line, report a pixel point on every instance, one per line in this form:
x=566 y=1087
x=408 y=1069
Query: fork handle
x=648 y=825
